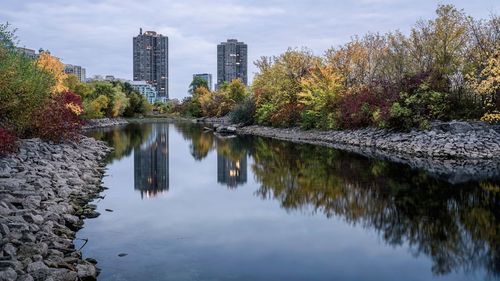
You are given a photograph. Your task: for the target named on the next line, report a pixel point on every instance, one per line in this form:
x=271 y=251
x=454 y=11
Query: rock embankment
x=459 y=151
x=469 y=142
x=44 y=195
x=103 y=123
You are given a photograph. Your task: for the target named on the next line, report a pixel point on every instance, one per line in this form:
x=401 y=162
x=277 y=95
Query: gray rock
x=86 y=271
x=73 y=220
x=8 y=274
x=9 y=250
x=25 y=277
x=36 y=266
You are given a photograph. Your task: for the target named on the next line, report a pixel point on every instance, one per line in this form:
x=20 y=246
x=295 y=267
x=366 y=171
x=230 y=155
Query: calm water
x=190 y=206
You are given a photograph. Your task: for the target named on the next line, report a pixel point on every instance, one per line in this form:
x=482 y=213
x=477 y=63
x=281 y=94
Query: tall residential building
x=151 y=60
x=232 y=59
x=77 y=70
x=207 y=77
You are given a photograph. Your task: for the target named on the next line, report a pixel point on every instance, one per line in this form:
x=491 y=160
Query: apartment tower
x=151 y=60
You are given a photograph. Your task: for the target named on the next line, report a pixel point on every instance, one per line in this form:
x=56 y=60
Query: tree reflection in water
x=458 y=226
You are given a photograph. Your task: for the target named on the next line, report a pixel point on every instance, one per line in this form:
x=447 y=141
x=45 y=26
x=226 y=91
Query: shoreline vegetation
x=446 y=68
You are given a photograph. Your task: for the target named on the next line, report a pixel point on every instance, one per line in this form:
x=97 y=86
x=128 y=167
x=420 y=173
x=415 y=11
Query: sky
x=97 y=34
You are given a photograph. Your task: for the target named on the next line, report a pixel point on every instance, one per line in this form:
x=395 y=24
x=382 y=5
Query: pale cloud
x=97 y=34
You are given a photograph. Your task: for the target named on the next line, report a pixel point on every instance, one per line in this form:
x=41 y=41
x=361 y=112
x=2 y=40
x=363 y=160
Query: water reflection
x=231 y=167
x=151 y=177
x=456 y=226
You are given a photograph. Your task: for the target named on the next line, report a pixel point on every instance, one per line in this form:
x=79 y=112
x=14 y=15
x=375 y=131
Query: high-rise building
x=77 y=70
x=207 y=77
x=232 y=59
x=151 y=60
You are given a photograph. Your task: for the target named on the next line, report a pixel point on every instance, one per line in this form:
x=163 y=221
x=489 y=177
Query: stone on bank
x=44 y=194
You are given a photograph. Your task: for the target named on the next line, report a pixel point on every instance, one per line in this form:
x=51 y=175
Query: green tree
x=24 y=87
x=197 y=83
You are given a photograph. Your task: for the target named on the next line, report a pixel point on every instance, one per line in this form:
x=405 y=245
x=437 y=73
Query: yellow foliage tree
x=321 y=91
x=55 y=67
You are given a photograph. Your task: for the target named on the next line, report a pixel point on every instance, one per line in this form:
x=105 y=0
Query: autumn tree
x=277 y=85
x=55 y=67
x=321 y=92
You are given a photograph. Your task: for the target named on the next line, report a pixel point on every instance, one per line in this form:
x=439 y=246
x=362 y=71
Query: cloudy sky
x=97 y=34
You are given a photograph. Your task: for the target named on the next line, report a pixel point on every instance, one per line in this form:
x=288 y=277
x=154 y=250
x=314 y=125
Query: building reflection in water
x=231 y=172
x=151 y=174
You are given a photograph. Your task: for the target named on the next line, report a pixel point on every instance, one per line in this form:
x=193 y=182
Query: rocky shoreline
x=454 y=151
x=103 y=123
x=45 y=190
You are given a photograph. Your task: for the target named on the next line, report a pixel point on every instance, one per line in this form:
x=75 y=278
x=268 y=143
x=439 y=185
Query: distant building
x=108 y=77
x=207 y=77
x=232 y=57
x=76 y=70
x=146 y=89
x=27 y=52
x=150 y=57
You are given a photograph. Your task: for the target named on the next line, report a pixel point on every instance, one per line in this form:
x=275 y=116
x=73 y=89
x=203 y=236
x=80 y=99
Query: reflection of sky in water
x=200 y=231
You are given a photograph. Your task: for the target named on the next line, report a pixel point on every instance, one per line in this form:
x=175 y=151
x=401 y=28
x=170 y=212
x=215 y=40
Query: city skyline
x=96 y=34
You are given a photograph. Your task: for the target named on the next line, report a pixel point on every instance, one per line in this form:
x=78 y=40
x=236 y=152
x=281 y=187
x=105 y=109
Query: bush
x=24 y=87
x=137 y=105
x=367 y=106
x=59 y=119
x=321 y=92
x=492 y=118
x=418 y=109
x=8 y=141
x=278 y=85
x=243 y=113
x=96 y=108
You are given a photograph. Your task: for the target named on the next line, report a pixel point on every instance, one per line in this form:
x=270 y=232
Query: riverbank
x=45 y=190
x=454 y=151
x=104 y=123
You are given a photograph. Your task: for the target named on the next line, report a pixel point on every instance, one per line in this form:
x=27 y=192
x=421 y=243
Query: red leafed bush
x=59 y=119
x=8 y=141
x=367 y=106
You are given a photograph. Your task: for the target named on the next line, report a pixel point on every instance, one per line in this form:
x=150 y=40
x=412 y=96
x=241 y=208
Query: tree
x=24 y=87
x=75 y=86
x=7 y=36
x=277 y=86
x=197 y=83
x=321 y=92
x=55 y=67
x=236 y=91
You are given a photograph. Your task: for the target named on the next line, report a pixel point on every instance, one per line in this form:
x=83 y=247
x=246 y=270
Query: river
x=185 y=204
